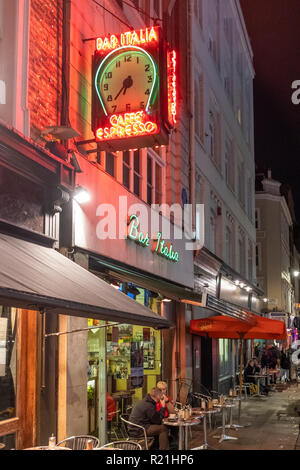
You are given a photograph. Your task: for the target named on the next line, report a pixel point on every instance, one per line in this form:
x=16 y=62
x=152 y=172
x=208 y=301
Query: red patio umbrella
x=231 y=328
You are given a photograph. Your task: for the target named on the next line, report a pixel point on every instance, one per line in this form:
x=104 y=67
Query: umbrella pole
x=241 y=374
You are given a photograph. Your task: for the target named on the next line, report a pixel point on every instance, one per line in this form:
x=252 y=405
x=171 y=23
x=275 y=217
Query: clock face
x=127 y=80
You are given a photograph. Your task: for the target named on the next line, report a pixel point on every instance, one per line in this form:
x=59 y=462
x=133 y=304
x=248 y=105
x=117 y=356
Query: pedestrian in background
x=285 y=365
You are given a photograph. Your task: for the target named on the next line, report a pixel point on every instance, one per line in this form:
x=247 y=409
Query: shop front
x=157 y=272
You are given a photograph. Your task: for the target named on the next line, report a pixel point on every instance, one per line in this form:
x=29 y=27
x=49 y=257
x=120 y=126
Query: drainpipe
x=191 y=110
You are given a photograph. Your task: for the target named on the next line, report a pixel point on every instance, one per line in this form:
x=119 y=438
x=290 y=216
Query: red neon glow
x=131 y=38
x=127 y=125
x=172 y=88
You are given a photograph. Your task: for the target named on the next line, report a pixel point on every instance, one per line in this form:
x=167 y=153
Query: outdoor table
x=47 y=448
x=224 y=437
x=2 y=446
x=258 y=377
x=183 y=426
x=231 y=425
x=206 y=413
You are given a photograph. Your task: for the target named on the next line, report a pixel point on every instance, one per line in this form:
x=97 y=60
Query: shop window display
x=133 y=355
x=8 y=363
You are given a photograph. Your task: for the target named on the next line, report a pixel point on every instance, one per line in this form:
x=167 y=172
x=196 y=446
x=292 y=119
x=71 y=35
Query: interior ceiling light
x=115 y=286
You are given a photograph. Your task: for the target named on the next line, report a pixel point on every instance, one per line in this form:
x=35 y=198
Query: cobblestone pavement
x=270 y=424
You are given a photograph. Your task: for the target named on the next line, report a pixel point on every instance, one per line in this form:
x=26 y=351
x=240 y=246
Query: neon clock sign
x=134 y=90
x=160 y=247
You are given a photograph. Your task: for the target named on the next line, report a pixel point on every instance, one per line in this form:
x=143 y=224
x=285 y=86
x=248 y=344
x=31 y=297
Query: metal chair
x=78 y=442
x=142 y=438
x=124 y=445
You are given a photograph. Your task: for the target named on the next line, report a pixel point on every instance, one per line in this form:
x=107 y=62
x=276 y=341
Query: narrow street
x=270 y=424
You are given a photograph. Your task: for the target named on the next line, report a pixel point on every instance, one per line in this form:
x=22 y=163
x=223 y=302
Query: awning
x=168 y=289
x=35 y=277
x=226 y=327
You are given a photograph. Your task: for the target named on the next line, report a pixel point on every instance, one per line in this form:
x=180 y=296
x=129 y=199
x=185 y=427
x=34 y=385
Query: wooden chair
x=78 y=442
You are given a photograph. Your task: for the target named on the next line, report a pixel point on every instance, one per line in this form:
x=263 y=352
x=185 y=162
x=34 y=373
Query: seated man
x=145 y=414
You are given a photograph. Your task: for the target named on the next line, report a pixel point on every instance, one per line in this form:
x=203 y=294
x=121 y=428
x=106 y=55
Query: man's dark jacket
x=145 y=414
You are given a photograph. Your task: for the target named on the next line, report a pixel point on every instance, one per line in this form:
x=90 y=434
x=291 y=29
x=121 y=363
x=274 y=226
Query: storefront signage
x=134 y=90
x=160 y=246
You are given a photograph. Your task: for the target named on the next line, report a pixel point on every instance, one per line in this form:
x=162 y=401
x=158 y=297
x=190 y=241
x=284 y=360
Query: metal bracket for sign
x=59 y=333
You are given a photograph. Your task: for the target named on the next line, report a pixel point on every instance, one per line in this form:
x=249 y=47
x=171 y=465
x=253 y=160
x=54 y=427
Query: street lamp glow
x=81 y=195
x=296 y=273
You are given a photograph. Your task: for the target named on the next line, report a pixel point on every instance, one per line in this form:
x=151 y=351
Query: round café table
x=2 y=446
x=206 y=413
x=183 y=426
x=223 y=436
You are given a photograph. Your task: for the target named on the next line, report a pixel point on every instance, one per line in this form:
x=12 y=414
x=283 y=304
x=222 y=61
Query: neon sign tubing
x=114 y=52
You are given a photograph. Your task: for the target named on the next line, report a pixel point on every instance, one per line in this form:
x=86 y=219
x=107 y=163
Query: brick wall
x=45 y=52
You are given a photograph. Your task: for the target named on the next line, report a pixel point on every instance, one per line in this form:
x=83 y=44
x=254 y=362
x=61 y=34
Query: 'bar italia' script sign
x=160 y=246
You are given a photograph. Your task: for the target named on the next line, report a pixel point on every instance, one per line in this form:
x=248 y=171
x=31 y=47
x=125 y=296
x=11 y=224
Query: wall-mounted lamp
x=81 y=195
x=265 y=300
x=296 y=273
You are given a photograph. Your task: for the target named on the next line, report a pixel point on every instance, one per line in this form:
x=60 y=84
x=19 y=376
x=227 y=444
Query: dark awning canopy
x=152 y=283
x=35 y=277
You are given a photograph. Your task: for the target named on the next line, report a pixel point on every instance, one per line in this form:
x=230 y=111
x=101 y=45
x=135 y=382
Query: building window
x=137 y=173
x=212 y=232
x=212 y=49
x=199 y=111
x=250 y=261
x=241 y=184
x=228 y=246
x=250 y=198
x=212 y=135
x=156 y=7
x=198 y=8
x=126 y=169
x=258 y=256
x=257 y=219
x=149 y=180
x=158 y=184
x=229 y=167
x=110 y=164
x=242 y=257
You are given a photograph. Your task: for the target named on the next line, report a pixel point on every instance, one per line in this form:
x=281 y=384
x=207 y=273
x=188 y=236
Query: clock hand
x=119 y=92
x=127 y=83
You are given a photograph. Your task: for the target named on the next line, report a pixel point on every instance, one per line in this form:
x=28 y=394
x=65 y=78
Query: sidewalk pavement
x=270 y=424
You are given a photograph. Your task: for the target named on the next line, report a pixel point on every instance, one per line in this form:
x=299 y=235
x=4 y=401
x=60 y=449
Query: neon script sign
x=172 y=92
x=127 y=125
x=160 y=247
x=131 y=38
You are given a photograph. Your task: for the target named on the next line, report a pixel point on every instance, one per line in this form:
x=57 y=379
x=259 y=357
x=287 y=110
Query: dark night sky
x=274 y=30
